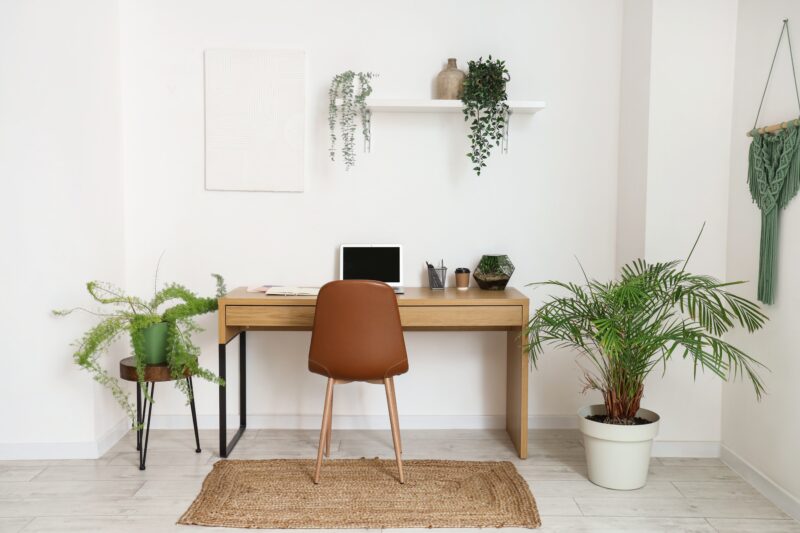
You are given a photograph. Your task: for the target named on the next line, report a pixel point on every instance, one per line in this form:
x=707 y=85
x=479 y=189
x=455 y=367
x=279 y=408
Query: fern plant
x=485 y=106
x=344 y=106
x=628 y=327
x=131 y=315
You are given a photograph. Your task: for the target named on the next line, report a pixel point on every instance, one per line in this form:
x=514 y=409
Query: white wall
x=691 y=75
x=634 y=123
x=60 y=216
x=765 y=435
x=551 y=198
x=134 y=79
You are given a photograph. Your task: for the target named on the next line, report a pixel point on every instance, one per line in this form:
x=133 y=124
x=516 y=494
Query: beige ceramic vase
x=450 y=82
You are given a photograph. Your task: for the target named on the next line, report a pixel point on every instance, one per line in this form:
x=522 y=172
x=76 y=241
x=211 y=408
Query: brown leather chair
x=357 y=337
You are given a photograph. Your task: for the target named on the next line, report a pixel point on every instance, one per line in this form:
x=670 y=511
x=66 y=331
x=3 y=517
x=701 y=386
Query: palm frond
x=627 y=327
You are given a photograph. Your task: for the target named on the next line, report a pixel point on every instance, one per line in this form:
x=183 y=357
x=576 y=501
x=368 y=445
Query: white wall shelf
x=444 y=106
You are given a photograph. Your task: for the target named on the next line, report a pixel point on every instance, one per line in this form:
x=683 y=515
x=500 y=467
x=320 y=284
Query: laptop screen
x=380 y=263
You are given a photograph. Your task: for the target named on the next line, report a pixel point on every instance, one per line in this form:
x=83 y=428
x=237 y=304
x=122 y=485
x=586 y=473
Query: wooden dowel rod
x=774 y=127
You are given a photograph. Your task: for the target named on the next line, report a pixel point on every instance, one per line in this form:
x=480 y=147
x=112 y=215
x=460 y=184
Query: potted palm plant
x=625 y=329
x=157 y=336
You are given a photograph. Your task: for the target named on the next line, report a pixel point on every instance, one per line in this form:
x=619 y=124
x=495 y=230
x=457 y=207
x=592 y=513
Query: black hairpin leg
x=138 y=417
x=225 y=447
x=194 y=413
x=149 y=409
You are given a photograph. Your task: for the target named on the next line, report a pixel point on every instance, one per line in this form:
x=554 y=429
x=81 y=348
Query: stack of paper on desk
x=292 y=291
x=282 y=290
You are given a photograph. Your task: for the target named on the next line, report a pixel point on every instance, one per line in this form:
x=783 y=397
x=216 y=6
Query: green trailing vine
x=345 y=105
x=485 y=105
x=132 y=315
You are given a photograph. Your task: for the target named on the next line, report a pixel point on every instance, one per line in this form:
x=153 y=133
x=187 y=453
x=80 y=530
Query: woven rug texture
x=363 y=493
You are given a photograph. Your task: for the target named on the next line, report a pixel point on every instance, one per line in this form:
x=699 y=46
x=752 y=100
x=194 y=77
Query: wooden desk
x=421 y=309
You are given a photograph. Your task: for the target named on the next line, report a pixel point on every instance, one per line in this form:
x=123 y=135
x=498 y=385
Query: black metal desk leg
x=225 y=448
x=242 y=380
x=223 y=409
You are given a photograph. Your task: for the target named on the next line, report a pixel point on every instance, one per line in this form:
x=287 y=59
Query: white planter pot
x=618 y=457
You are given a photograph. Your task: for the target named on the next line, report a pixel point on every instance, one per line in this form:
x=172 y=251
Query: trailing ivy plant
x=132 y=315
x=345 y=106
x=485 y=105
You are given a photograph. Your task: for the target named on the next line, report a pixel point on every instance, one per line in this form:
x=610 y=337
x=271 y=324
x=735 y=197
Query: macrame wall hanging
x=774 y=177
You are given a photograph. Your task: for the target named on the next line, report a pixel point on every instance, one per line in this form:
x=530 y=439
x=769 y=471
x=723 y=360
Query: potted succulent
x=493 y=272
x=625 y=329
x=156 y=336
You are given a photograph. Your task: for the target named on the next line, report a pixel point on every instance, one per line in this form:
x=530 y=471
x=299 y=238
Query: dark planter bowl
x=491 y=282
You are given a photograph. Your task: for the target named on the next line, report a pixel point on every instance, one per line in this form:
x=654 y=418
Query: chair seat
x=127 y=371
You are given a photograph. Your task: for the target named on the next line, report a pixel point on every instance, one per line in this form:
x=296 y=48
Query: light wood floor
x=111 y=494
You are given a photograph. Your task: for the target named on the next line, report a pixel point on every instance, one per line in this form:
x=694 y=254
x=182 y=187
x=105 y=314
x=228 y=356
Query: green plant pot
x=154 y=344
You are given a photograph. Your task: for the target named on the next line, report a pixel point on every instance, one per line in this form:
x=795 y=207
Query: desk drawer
x=463 y=316
x=287 y=316
x=434 y=316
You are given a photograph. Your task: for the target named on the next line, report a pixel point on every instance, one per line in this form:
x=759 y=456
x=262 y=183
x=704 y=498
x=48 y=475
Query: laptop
x=379 y=262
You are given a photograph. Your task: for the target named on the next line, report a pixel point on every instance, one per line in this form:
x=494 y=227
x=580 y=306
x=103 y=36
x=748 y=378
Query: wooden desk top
x=414 y=296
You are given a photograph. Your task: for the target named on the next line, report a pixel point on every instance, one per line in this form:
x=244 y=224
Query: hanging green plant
x=345 y=106
x=138 y=317
x=485 y=105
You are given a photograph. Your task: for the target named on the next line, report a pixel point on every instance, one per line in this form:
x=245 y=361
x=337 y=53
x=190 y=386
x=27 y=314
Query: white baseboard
x=339 y=421
x=364 y=422
x=94 y=449
x=91 y=449
x=13 y=451
x=661 y=448
x=112 y=436
x=685 y=448
x=552 y=422
x=788 y=503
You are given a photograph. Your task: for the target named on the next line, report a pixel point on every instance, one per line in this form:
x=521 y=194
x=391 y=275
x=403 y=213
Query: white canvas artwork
x=255 y=120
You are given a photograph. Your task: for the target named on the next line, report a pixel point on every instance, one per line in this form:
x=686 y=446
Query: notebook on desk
x=292 y=291
x=282 y=290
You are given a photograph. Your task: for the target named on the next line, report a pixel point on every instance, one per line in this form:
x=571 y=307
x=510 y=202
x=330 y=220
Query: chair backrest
x=357 y=333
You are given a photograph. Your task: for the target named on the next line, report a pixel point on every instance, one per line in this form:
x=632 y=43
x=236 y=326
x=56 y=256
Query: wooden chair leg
x=328 y=430
x=326 y=413
x=390 y=399
x=396 y=417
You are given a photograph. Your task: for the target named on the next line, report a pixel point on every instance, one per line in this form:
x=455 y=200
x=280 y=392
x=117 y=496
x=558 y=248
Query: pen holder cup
x=437 y=278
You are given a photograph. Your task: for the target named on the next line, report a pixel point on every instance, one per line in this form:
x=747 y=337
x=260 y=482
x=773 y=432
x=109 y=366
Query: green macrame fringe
x=766 y=267
x=751 y=171
x=774 y=179
x=792 y=184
